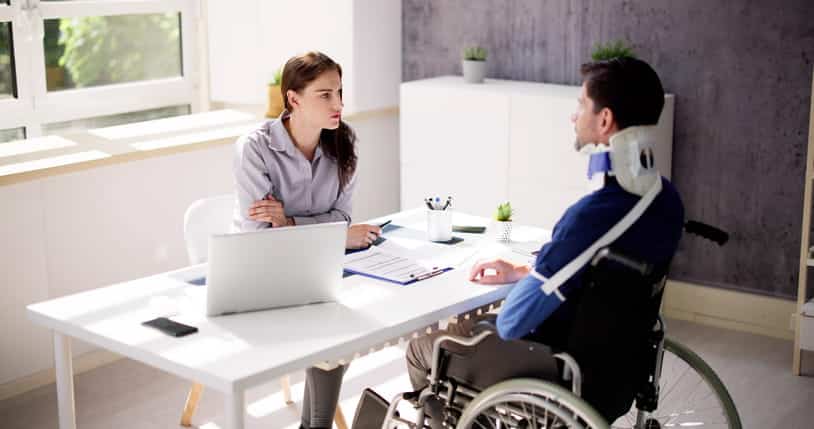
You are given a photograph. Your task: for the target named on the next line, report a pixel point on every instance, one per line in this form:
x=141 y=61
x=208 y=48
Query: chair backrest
x=203 y=218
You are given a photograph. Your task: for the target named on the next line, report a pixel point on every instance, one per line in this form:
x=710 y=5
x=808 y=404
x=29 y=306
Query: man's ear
x=607 y=122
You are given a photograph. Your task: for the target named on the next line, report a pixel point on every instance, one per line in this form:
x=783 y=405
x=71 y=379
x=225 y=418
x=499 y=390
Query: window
x=6 y=68
x=104 y=50
x=67 y=65
x=111 y=120
x=11 y=135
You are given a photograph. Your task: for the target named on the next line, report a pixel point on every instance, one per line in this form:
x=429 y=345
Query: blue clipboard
x=424 y=276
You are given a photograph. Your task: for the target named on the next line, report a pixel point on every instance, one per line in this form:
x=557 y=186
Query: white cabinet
x=453 y=142
x=499 y=141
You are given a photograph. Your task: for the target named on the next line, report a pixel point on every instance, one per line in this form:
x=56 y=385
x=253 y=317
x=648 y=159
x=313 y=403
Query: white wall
x=74 y=232
x=250 y=39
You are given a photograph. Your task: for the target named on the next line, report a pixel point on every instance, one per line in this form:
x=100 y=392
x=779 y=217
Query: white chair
x=202 y=219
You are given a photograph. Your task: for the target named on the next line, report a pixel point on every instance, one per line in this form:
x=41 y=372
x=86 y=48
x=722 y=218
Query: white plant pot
x=503 y=231
x=474 y=71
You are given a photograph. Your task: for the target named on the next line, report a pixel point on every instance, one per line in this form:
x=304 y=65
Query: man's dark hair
x=629 y=87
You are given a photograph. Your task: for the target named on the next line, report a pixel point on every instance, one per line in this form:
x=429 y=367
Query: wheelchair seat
x=505 y=360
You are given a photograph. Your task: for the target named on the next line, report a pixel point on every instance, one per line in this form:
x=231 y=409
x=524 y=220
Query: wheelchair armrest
x=487 y=325
x=463 y=341
x=571 y=372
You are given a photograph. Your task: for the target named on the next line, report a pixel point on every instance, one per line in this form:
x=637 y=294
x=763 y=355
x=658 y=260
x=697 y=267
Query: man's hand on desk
x=498 y=271
x=271 y=211
x=360 y=236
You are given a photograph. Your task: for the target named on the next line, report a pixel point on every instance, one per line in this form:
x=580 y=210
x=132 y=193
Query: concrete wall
x=741 y=71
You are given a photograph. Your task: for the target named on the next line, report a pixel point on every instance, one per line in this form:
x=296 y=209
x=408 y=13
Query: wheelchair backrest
x=616 y=310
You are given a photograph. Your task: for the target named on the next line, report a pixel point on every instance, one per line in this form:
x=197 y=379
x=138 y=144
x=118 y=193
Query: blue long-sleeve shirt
x=653 y=238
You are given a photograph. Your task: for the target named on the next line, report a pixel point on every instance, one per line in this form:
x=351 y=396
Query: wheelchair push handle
x=707 y=231
x=606 y=253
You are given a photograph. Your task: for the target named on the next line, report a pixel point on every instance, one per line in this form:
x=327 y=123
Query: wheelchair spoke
x=676 y=382
x=479 y=422
x=689 y=396
x=526 y=413
x=503 y=418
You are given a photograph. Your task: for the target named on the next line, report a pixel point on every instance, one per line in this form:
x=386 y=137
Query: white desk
x=237 y=352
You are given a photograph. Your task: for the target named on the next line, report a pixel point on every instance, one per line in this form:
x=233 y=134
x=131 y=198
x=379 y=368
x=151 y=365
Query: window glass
x=6 y=64
x=102 y=50
x=12 y=134
x=111 y=120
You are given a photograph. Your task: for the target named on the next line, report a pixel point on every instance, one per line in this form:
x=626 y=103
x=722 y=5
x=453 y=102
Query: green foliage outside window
x=101 y=50
x=5 y=60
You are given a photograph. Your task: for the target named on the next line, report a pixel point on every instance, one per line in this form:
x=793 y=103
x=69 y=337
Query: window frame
x=34 y=106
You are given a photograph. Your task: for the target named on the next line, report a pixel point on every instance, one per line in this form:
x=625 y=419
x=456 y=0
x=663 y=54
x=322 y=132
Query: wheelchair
x=612 y=362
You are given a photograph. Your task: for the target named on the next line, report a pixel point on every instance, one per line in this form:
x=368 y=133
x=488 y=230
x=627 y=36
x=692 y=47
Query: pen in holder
x=439 y=225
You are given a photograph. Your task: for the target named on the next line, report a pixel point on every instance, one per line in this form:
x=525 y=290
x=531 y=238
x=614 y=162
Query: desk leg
x=64 y=371
x=235 y=404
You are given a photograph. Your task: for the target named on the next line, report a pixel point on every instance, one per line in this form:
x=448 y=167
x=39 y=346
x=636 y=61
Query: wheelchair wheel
x=528 y=403
x=690 y=395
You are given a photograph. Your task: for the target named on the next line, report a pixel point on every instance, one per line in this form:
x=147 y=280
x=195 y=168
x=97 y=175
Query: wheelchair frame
x=568 y=406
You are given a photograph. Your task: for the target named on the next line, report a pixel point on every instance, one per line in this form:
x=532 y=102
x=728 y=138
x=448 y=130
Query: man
x=616 y=95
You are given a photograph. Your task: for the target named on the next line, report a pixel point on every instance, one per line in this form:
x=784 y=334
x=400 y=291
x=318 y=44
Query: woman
x=300 y=169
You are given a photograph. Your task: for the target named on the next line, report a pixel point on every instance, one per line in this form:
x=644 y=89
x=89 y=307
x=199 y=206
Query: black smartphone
x=469 y=229
x=170 y=327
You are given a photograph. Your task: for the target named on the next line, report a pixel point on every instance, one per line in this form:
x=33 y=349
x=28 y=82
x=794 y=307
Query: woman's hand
x=504 y=272
x=360 y=236
x=271 y=211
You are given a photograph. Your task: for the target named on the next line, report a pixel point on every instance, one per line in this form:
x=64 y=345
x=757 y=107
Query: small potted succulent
x=474 y=64
x=503 y=222
x=275 y=95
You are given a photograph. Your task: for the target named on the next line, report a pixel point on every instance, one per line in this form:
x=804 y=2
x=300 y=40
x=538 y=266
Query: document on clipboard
x=390 y=266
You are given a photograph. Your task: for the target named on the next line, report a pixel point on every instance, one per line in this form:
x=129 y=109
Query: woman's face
x=320 y=102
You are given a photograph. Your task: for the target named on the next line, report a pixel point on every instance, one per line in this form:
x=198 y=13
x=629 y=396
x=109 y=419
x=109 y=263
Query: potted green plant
x=611 y=50
x=474 y=64
x=503 y=221
x=275 y=95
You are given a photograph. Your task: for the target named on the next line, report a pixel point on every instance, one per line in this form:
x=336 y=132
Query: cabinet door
x=546 y=174
x=454 y=141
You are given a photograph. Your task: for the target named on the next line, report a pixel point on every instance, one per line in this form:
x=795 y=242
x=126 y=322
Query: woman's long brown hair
x=338 y=144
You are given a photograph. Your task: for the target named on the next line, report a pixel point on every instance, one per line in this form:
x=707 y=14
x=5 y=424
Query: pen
x=448 y=203
x=428 y=203
x=428 y=275
x=385 y=224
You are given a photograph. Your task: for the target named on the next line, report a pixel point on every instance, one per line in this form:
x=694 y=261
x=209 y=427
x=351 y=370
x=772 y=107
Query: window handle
x=32 y=23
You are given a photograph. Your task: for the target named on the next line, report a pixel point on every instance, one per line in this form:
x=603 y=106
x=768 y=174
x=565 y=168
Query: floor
x=127 y=394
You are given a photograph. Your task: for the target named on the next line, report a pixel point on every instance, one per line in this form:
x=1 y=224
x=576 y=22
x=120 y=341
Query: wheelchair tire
x=666 y=415
x=515 y=402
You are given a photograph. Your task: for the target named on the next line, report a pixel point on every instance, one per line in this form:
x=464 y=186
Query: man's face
x=586 y=122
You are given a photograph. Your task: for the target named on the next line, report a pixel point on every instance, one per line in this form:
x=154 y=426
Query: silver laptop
x=276 y=267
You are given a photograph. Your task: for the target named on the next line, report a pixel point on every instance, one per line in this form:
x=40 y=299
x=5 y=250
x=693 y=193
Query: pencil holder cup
x=439 y=225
